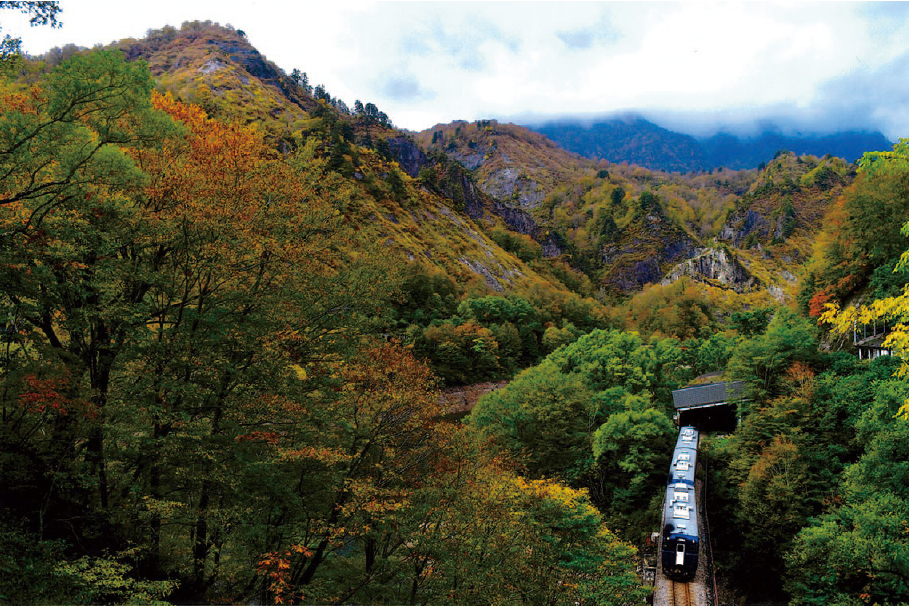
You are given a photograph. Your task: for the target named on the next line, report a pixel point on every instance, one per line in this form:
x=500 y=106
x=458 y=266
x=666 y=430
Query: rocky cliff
x=716 y=266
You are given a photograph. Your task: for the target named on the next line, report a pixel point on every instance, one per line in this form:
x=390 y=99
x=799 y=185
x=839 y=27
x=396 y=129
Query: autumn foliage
x=196 y=403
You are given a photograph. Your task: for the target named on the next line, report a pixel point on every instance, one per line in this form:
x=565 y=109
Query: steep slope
x=774 y=225
x=600 y=217
x=423 y=194
x=625 y=226
x=516 y=168
x=858 y=254
x=414 y=218
x=201 y=356
x=640 y=253
x=216 y=68
x=791 y=195
x=513 y=163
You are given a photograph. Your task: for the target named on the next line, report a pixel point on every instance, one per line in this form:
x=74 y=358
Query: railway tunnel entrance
x=711 y=407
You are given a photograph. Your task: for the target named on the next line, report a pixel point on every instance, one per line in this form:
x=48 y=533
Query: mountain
x=635 y=140
x=626 y=226
x=443 y=196
x=224 y=328
x=424 y=219
x=595 y=216
x=224 y=325
x=730 y=151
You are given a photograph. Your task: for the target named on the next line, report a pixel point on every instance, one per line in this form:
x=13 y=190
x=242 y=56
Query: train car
x=680 y=538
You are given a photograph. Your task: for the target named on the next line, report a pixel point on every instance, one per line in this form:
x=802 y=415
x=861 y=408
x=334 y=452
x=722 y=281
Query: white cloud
x=429 y=62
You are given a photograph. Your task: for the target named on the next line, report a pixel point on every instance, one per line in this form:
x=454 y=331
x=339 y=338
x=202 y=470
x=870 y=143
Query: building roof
x=709 y=394
x=875 y=341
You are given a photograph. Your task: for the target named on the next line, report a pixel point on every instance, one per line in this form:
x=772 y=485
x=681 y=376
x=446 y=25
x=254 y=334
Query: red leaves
x=41 y=395
x=276 y=566
x=22 y=102
x=271 y=438
x=191 y=115
x=817 y=303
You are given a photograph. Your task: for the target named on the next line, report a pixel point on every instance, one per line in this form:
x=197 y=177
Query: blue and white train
x=680 y=539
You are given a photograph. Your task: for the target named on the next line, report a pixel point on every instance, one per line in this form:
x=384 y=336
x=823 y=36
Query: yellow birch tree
x=892 y=309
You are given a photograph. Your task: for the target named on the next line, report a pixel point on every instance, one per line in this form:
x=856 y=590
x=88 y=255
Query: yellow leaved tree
x=891 y=309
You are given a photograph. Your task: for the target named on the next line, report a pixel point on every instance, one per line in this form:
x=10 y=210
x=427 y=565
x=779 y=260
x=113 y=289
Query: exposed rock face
x=477 y=268
x=252 y=61
x=551 y=248
x=645 y=272
x=477 y=201
x=461 y=188
x=409 y=156
x=463 y=398
x=471 y=161
x=511 y=184
x=738 y=228
x=714 y=265
x=644 y=249
x=212 y=65
x=630 y=272
x=517 y=219
x=522 y=222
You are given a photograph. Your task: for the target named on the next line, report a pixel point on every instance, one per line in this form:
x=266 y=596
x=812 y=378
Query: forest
x=225 y=337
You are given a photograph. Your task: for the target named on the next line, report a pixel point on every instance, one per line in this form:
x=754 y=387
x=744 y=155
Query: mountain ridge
x=633 y=139
x=623 y=226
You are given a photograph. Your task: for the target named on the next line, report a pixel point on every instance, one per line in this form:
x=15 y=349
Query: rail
x=712 y=600
x=680 y=592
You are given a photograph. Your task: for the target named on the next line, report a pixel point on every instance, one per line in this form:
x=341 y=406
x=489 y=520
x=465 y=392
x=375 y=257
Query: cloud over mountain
x=816 y=66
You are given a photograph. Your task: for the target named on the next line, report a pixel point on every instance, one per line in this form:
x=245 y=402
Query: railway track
x=680 y=592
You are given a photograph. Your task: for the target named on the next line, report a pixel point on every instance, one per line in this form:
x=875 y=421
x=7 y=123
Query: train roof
x=688 y=437
x=680 y=510
x=684 y=456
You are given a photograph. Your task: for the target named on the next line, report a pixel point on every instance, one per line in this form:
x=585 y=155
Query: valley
x=260 y=346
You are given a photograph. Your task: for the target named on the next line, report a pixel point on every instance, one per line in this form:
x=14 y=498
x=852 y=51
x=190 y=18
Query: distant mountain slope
x=218 y=69
x=625 y=226
x=513 y=165
x=732 y=152
x=577 y=209
x=633 y=140
x=512 y=162
x=637 y=141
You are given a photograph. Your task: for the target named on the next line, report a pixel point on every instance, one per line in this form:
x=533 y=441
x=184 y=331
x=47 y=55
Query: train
x=680 y=540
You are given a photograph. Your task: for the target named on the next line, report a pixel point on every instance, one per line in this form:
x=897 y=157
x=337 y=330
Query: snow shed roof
x=711 y=394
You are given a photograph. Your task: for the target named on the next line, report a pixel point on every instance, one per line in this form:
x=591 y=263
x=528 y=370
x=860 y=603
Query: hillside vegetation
x=738 y=234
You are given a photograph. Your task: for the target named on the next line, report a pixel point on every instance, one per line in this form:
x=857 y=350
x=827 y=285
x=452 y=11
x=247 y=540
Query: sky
x=695 y=67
